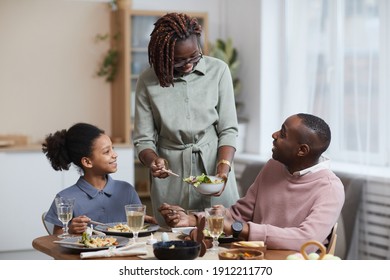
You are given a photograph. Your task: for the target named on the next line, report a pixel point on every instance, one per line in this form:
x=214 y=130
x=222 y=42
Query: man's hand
x=174 y=215
x=150 y=219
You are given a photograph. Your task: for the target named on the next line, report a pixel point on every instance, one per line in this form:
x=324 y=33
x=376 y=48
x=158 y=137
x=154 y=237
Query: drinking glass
x=135 y=214
x=64 y=213
x=215 y=219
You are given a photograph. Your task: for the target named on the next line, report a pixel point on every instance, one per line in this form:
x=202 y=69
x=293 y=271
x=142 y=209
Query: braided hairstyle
x=169 y=29
x=69 y=146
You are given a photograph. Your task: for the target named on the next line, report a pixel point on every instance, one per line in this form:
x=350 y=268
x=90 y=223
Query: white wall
x=48 y=62
x=245 y=32
x=214 y=8
x=49 y=58
x=244 y=28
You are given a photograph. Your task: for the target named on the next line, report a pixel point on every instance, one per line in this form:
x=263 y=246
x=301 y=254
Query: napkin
x=183 y=230
x=128 y=250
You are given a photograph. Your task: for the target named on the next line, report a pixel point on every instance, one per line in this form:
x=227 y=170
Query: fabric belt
x=189 y=148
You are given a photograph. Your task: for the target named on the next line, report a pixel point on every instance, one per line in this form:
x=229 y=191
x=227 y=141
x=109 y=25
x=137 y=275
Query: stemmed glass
x=64 y=213
x=135 y=214
x=215 y=221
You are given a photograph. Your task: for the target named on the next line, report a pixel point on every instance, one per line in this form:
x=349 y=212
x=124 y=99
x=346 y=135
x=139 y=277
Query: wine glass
x=215 y=221
x=64 y=213
x=135 y=214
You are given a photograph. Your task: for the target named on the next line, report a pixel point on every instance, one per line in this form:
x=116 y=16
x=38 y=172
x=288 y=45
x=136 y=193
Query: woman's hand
x=158 y=166
x=79 y=224
x=224 y=178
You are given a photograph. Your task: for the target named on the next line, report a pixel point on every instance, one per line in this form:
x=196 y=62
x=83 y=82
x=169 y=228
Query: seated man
x=295 y=197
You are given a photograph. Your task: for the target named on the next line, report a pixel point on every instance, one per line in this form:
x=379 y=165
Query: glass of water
x=215 y=223
x=135 y=214
x=64 y=213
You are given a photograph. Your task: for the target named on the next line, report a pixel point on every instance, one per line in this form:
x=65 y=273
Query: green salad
x=197 y=180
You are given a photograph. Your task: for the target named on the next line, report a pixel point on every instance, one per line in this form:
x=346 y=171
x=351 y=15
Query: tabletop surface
x=46 y=245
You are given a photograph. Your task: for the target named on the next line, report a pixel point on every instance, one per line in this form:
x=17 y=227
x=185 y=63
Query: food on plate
x=197 y=180
x=124 y=228
x=206 y=233
x=241 y=254
x=238 y=255
x=253 y=244
x=97 y=242
x=119 y=228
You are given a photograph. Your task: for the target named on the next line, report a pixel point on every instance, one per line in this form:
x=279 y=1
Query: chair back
x=48 y=226
x=331 y=247
x=353 y=192
x=248 y=176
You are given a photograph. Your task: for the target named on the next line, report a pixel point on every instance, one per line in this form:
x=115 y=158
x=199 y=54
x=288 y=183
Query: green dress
x=186 y=124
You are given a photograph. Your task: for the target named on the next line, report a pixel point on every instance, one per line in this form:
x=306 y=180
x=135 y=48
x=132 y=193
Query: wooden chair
x=331 y=247
x=48 y=226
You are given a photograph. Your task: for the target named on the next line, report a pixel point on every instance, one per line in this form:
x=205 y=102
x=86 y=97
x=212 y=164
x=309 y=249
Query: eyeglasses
x=191 y=60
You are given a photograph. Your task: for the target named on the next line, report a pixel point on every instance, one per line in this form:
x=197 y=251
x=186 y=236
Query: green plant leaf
x=225 y=50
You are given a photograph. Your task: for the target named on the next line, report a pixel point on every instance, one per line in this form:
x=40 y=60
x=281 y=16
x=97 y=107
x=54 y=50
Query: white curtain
x=336 y=65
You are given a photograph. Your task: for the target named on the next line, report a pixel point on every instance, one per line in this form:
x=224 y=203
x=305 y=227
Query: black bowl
x=176 y=250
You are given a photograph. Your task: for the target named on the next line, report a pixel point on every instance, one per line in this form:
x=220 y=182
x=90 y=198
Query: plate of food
x=226 y=239
x=256 y=245
x=241 y=254
x=122 y=229
x=222 y=238
x=93 y=243
x=206 y=184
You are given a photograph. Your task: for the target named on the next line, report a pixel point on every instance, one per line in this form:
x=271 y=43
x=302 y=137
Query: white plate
x=210 y=188
x=122 y=241
x=151 y=228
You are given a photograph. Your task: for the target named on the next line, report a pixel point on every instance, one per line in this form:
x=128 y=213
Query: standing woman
x=185 y=116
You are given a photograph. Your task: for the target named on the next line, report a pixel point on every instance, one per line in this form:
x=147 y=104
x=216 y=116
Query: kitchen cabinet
x=131 y=31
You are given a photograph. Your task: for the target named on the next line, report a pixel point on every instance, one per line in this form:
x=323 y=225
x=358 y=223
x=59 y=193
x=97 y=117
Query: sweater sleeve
x=317 y=225
x=286 y=212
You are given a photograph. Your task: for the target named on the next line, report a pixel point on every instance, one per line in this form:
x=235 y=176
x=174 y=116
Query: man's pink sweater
x=286 y=211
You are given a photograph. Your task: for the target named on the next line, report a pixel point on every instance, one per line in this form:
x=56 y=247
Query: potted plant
x=224 y=50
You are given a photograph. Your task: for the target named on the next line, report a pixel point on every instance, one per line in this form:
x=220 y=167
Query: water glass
x=215 y=222
x=65 y=213
x=135 y=214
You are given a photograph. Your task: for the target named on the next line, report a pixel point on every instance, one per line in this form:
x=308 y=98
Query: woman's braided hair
x=169 y=29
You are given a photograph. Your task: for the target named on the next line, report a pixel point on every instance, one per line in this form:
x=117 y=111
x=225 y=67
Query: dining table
x=46 y=245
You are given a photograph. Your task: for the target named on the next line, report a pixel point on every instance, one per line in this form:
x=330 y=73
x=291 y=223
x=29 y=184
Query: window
x=334 y=63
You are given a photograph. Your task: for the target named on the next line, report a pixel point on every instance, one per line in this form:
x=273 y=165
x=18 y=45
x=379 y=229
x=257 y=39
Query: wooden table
x=46 y=245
